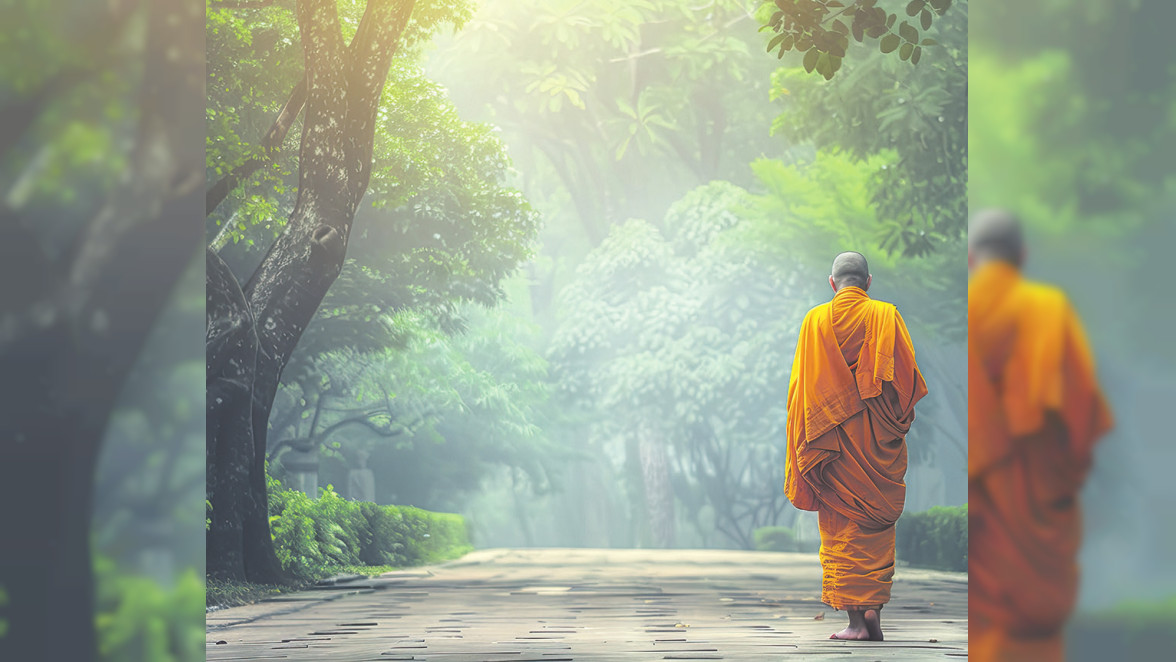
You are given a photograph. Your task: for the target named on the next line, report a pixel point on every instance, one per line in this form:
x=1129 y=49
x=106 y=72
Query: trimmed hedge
x=782 y=539
x=774 y=539
x=935 y=538
x=315 y=537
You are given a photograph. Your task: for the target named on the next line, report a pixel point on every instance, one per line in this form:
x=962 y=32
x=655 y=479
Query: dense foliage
x=432 y=414
x=680 y=248
x=317 y=537
x=692 y=193
x=935 y=538
x=821 y=29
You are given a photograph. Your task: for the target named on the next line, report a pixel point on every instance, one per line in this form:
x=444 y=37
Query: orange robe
x=851 y=400
x=1034 y=413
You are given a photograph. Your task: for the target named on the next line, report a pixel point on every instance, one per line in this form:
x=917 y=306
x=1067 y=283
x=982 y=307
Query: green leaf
x=810 y=59
x=889 y=43
x=775 y=42
x=908 y=32
x=823 y=67
x=906 y=50
x=925 y=17
x=914 y=6
x=918 y=52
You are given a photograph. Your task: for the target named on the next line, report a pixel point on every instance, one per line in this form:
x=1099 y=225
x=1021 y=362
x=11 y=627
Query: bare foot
x=858 y=629
x=873 y=624
x=852 y=634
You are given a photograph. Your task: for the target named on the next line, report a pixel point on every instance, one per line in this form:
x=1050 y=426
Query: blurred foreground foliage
x=137 y=618
x=935 y=538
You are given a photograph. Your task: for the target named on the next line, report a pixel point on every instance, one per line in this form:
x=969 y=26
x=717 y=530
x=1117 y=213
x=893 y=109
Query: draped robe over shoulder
x=1034 y=414
x=851 y=400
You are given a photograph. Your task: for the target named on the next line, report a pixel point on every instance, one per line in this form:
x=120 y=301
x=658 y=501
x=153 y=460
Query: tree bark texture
x=343 y=86
x=659 y=495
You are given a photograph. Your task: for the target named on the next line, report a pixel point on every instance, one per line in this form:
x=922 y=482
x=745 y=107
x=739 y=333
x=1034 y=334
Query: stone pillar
x=303 y=467
x=361 y=485
x=361 y=481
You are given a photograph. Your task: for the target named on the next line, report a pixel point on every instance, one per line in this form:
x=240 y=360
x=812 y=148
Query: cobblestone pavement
x=552 y=605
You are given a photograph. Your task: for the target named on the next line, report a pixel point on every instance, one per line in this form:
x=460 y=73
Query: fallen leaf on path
x=932 y=641
x=819 y=617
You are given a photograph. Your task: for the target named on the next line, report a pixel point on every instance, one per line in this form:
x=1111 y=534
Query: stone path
x=553 y=605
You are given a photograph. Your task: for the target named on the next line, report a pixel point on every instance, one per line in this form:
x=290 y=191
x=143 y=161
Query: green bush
x=295 y=536
x=137 y=619
x=935 y=538
x=433 y=536
x=315 y=538
x=774 y=539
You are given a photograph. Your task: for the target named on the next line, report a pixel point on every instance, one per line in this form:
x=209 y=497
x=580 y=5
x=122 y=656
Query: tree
x=95 y=235
x=441 y=229
x=613 y=109
x=821 y=29
x=678 y=343
x=254 y=328
x=919 y=114
x=474 y=401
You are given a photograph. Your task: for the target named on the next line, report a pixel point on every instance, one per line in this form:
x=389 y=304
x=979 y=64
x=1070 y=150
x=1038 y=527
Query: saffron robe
x=851 y=401
x=1034 y=414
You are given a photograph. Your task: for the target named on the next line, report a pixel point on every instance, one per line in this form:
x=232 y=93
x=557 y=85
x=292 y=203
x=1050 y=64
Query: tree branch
x=322 y=154
x=270 y=145
x=375 y=42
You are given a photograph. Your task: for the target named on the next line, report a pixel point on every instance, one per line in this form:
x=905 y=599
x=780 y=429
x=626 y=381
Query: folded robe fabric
x=851 y=399
x=1034 y=414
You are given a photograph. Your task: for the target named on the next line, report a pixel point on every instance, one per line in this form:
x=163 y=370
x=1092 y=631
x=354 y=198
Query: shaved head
x=850 y=270
x=995 y=234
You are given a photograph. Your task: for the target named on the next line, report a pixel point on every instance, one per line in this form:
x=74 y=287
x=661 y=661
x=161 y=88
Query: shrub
x=433 y=536
x=316 y=538
x=295 y=536
x=339 y=526
x=935 y=538
x=775 y=539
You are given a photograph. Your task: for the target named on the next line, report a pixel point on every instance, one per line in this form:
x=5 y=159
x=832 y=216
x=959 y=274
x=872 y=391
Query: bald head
x=850 y=270
x=995 y=234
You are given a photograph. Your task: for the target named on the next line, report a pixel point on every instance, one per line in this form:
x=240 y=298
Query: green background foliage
x=1077 y=140
x=935 y=538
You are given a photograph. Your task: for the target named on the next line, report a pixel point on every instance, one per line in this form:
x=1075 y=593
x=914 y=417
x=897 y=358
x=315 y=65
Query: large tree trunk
x=343 y=87
x=231 y=354
x=74 y=330
x=659 y=495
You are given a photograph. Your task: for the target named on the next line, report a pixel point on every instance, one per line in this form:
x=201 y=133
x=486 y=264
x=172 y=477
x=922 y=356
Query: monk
x=1034 y=414
x=851 y=400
